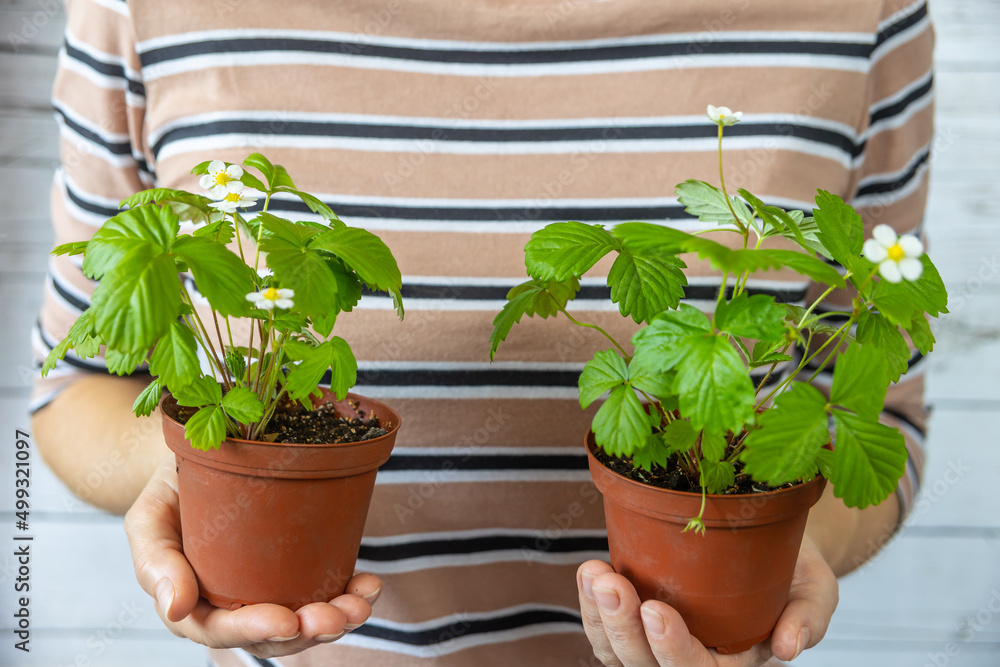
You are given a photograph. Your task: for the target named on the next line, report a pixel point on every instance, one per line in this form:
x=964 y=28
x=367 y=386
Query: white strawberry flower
x=220 y=177
x=724 y=115
x=270 y=298
x=898 y=257
x=235 y=196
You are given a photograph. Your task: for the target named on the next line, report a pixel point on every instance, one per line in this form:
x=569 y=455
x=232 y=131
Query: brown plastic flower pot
x=731 y=584
x=277 y=522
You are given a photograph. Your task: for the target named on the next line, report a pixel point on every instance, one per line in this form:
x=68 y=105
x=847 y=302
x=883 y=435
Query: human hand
x=264 y=630
x=625 y=634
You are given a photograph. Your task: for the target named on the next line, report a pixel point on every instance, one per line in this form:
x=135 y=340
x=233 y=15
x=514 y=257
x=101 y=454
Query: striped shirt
x=453 y=129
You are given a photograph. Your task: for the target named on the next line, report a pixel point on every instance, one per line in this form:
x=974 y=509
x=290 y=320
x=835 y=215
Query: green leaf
x=841 y=230
x=713 y=385
x=868 y=460
x=74 y=248
x=621 y=425
x=175 y=358
x=566 y=249
x=146 y=402
x=645 y=375
x=601 y=374
x=363 y=252
x=304 y=376
x=757 y=317
x=206 y=429
x=154 y=227
x=876 y=331
x=786 y=444
x=137 y=300
x=921 y=334
x=530 y=298
x=678 y=436
x=88 y=347
x=642 y=237
x=185 y=205
x=774 y=224
x=905 y=301
x=123 y=363
x=664 y=339
x=644 y=285
x=765 y=353
x=307 y=272
x=242 y=404
x=717 y=476
x=860 y=380
x=709 y=204
x=55 y=355
x=275 y=175
x=221 y=276
x=713 y=445
x=810 y=232
x=654 y=452
x=220 y=231
x=825 y=462
x=236 y=362
x=203 y=390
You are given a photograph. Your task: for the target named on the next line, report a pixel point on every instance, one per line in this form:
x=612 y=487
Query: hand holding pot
x=627 y=634
x=264 y=630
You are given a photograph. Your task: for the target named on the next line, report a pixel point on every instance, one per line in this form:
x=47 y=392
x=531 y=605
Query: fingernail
x=653 y=622
x=607 y=599
x=164 y=594
x=801 y=642
x=588 y=584
x=330 y=638
x=283 y=639
x=371 y=597
x=351 y=626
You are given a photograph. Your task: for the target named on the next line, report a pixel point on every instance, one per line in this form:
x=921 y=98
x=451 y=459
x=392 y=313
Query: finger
x=619 y=608
x=590 y=612
x=674 y=646
x=152 y=526
x=356 y=610
x=366 y=586
x=256 y=623
x=811 y=602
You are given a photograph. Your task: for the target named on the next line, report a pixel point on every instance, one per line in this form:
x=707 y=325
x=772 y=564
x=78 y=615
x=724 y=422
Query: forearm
x=848 y=537
x=91 y=440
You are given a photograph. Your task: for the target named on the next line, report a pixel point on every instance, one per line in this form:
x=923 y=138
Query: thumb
x=811 y=603
x=152 y=525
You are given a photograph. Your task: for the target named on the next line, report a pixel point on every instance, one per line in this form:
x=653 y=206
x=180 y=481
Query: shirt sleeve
x=99 y=104
x=889 y=186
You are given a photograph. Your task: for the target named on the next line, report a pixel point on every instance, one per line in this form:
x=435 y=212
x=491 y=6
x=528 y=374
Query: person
x=453 y=130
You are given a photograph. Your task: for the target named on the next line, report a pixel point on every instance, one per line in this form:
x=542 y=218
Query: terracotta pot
x=278 y=523
x=730 y=584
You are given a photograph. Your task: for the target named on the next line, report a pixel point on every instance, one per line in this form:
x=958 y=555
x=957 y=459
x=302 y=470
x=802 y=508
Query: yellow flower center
x=233 y=197
x=896 y=253
x=271 y=294
x=221 y=178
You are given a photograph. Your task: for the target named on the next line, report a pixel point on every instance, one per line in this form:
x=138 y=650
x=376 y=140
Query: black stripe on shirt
x=591 y=292
x=107 y=69
x=372 y=131
x=887 y=186
x=464 y=459
x=537 y=541
x=463 y=628
x=500 y=55
x=891 y=31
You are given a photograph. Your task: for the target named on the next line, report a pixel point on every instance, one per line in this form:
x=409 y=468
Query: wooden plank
x=28 y=137
x=35 y=27
x=967 y=94
x=26 y=81
x=17 y=371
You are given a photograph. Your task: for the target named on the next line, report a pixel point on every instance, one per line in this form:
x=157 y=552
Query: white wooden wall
x=931 y=597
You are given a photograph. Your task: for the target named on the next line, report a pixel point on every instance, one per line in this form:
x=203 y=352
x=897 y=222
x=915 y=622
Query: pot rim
x=311 y=460
x=781 y=500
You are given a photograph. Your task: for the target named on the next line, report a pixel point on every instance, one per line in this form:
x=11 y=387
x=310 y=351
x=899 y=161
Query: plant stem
x=721 y=297
x=206 y=342
x=804 y=362
x=260 y=231
x=722 y=182
x=577 y=322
